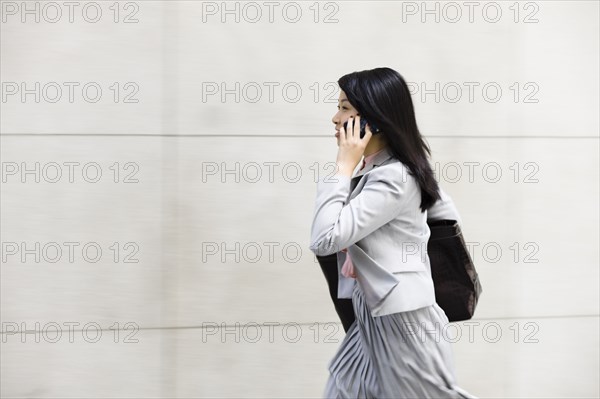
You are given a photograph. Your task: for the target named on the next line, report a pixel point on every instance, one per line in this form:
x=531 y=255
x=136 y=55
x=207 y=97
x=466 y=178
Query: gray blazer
x=379 y=220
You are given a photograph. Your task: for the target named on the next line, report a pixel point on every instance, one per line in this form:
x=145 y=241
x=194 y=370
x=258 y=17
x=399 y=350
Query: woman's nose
x=335 y=119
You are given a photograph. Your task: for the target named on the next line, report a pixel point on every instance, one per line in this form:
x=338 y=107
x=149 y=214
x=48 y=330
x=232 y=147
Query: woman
x=376 y=223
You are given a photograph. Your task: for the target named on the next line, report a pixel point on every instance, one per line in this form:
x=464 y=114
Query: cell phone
x=363 y=124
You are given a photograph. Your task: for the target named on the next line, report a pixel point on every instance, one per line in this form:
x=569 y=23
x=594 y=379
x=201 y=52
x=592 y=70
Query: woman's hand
x=351 y=147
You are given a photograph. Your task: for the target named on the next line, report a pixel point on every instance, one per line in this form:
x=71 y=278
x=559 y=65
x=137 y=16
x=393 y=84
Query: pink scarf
x=348 y=267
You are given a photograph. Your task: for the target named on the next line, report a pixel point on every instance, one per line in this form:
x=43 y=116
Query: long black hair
x=382 y=97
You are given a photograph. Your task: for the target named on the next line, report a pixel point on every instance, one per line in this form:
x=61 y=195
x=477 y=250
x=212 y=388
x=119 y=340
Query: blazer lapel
x=378 y=160
x=353 y=182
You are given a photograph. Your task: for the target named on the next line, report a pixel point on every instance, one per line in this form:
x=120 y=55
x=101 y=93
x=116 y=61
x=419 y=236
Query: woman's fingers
x=342 y=137
x=356 y=126
x=350 y=126
x=368 y=132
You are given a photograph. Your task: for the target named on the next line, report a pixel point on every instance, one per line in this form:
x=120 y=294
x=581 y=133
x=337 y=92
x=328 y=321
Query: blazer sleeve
x=444 y=208
x=337 y=225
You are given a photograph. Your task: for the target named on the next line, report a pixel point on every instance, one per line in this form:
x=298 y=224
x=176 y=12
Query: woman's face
x=345 y=111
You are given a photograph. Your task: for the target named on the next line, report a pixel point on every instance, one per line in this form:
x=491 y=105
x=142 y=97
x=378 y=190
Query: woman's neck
x=376 y=144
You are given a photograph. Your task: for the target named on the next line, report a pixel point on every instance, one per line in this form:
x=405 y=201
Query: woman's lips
x=337 y=134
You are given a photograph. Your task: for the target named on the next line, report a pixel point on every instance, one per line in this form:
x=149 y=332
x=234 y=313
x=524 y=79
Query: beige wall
x=174 y=287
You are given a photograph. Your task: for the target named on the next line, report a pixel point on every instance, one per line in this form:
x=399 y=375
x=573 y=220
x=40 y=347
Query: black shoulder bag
x=457 y=286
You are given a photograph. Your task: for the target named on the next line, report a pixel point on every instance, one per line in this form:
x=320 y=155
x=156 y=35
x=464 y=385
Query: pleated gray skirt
x=401 y=355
